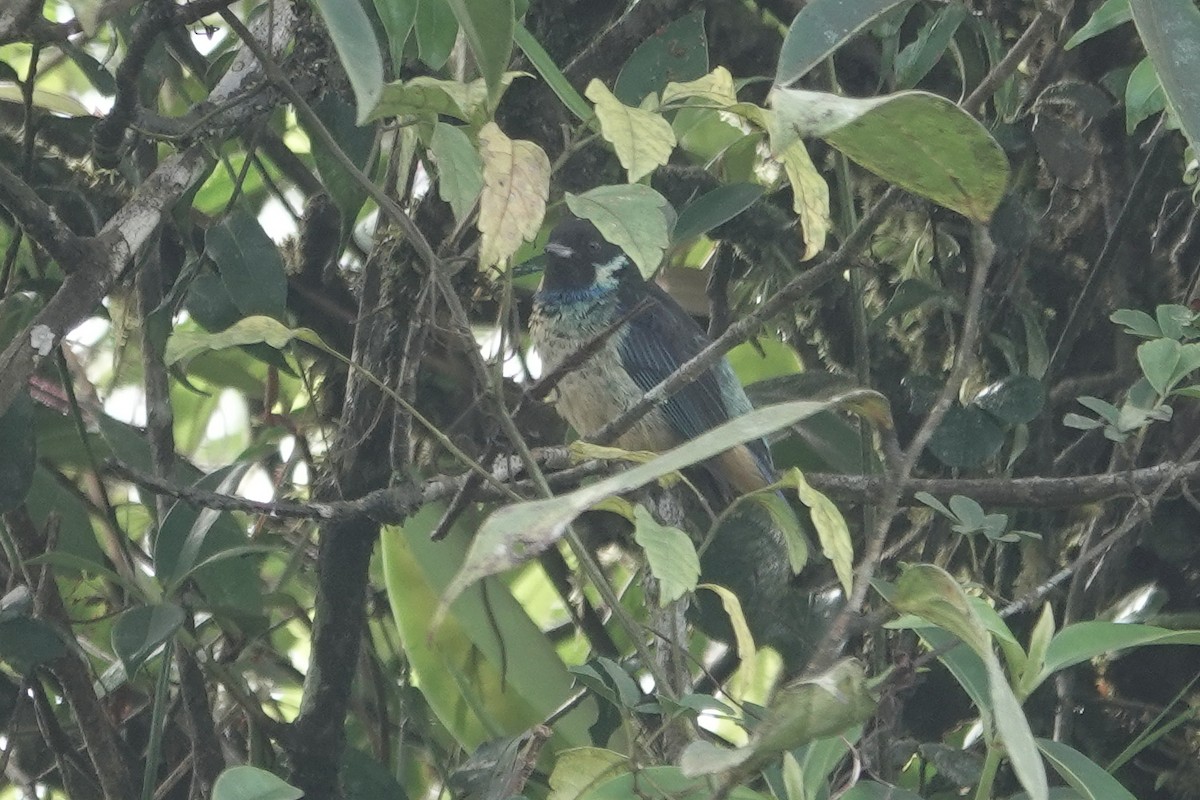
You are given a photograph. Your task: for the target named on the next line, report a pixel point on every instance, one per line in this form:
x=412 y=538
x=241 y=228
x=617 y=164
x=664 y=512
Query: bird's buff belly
x=599 y=391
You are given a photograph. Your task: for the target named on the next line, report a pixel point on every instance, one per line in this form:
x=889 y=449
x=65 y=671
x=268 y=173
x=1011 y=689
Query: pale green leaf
x=632 y=216
x=670 y=553
x=920 y=141
x=1084 y=775
x=715 y=88
x=642 y=139
x=459 y=167
x=487 y=25
x=1169 y=31
x=821 y=27
x=251 y=783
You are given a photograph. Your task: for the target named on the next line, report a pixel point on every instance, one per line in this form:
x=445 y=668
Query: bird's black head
x=578 y=257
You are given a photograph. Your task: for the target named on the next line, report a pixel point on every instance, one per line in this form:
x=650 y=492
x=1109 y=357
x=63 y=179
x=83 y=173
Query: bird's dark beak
x=560 y=250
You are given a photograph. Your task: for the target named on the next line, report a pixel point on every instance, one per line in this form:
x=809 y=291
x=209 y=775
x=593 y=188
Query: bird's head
x=580 y=260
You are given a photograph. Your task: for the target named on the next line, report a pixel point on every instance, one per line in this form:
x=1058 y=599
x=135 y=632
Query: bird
x=590 y=283
x=588 y=286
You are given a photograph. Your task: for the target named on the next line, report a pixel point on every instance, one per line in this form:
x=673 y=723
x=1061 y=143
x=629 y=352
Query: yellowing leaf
x=716 y=88
x=741 y=629
x=643 y=139
x=831 y=527
x=810 y=196
x=516 y=181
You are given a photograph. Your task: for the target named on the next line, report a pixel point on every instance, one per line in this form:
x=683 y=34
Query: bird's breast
x=599 y=389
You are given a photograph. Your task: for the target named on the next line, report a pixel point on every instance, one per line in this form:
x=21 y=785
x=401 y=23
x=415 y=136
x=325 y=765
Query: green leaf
x=184 y=345
x=1172 y=318
x=1014 y=400
x=660 y=783
x=515 y=533
x=1108 y=16
x=1158 y=359
x=1144 y=96
x=357 y=48
x=487 y=670
x=679 y=52
x=579 y=769
x=436 y=30
x=715 y=208
x=813 y=708
x=487 y=25
x=1169 y=30
x=916 y=60
x=459 y=168
x=18 y=443
x=1083 y=774
x=355 y=141
x=706 y=758
x=873 y=790
x=141 y=630
x=632 y=216
x=1087 y=640
x=1013 y=728
x=545 y=66
x=920 y=141
x=836 y=543
x=250 y=266
x=821 y=27
x=743 y=639
x=670 y=553
x=764 y=359
x=26 y=643
x=397 y=17
x=642 y=139
x=967 y=437
x=1139 y=323
x=251 y=783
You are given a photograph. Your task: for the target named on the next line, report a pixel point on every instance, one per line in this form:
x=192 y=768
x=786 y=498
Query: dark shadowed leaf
x=25 y=643
x=356 y=142
x=18 y=446
x=714 y=208
x=249 y=263
x=967 y=437
x=821 y=27
x=357 y=49
x=141 y=630
x=678 y=53
x=1015 y=400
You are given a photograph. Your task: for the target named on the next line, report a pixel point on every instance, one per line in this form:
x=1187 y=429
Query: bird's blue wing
x=654 y=344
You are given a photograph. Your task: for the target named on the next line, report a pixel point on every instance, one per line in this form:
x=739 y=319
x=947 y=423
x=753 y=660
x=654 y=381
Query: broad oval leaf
x=1014 y=400
x=459 y=168
x=250 y=266
x=821 y=27
x=357 y=48
x=920 y=141
x=715 y=208
x=642 y=139
x=679 y=52
x=632 y=216
x=26 y=643
x=670 y=553
x=141 y=630
x=251 y=783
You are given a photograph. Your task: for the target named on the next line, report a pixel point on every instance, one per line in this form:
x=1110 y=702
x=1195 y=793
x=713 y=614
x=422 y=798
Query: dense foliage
x=285 y=504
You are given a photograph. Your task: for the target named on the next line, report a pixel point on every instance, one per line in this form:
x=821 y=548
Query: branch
x=41 y=222
x=94 y=272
